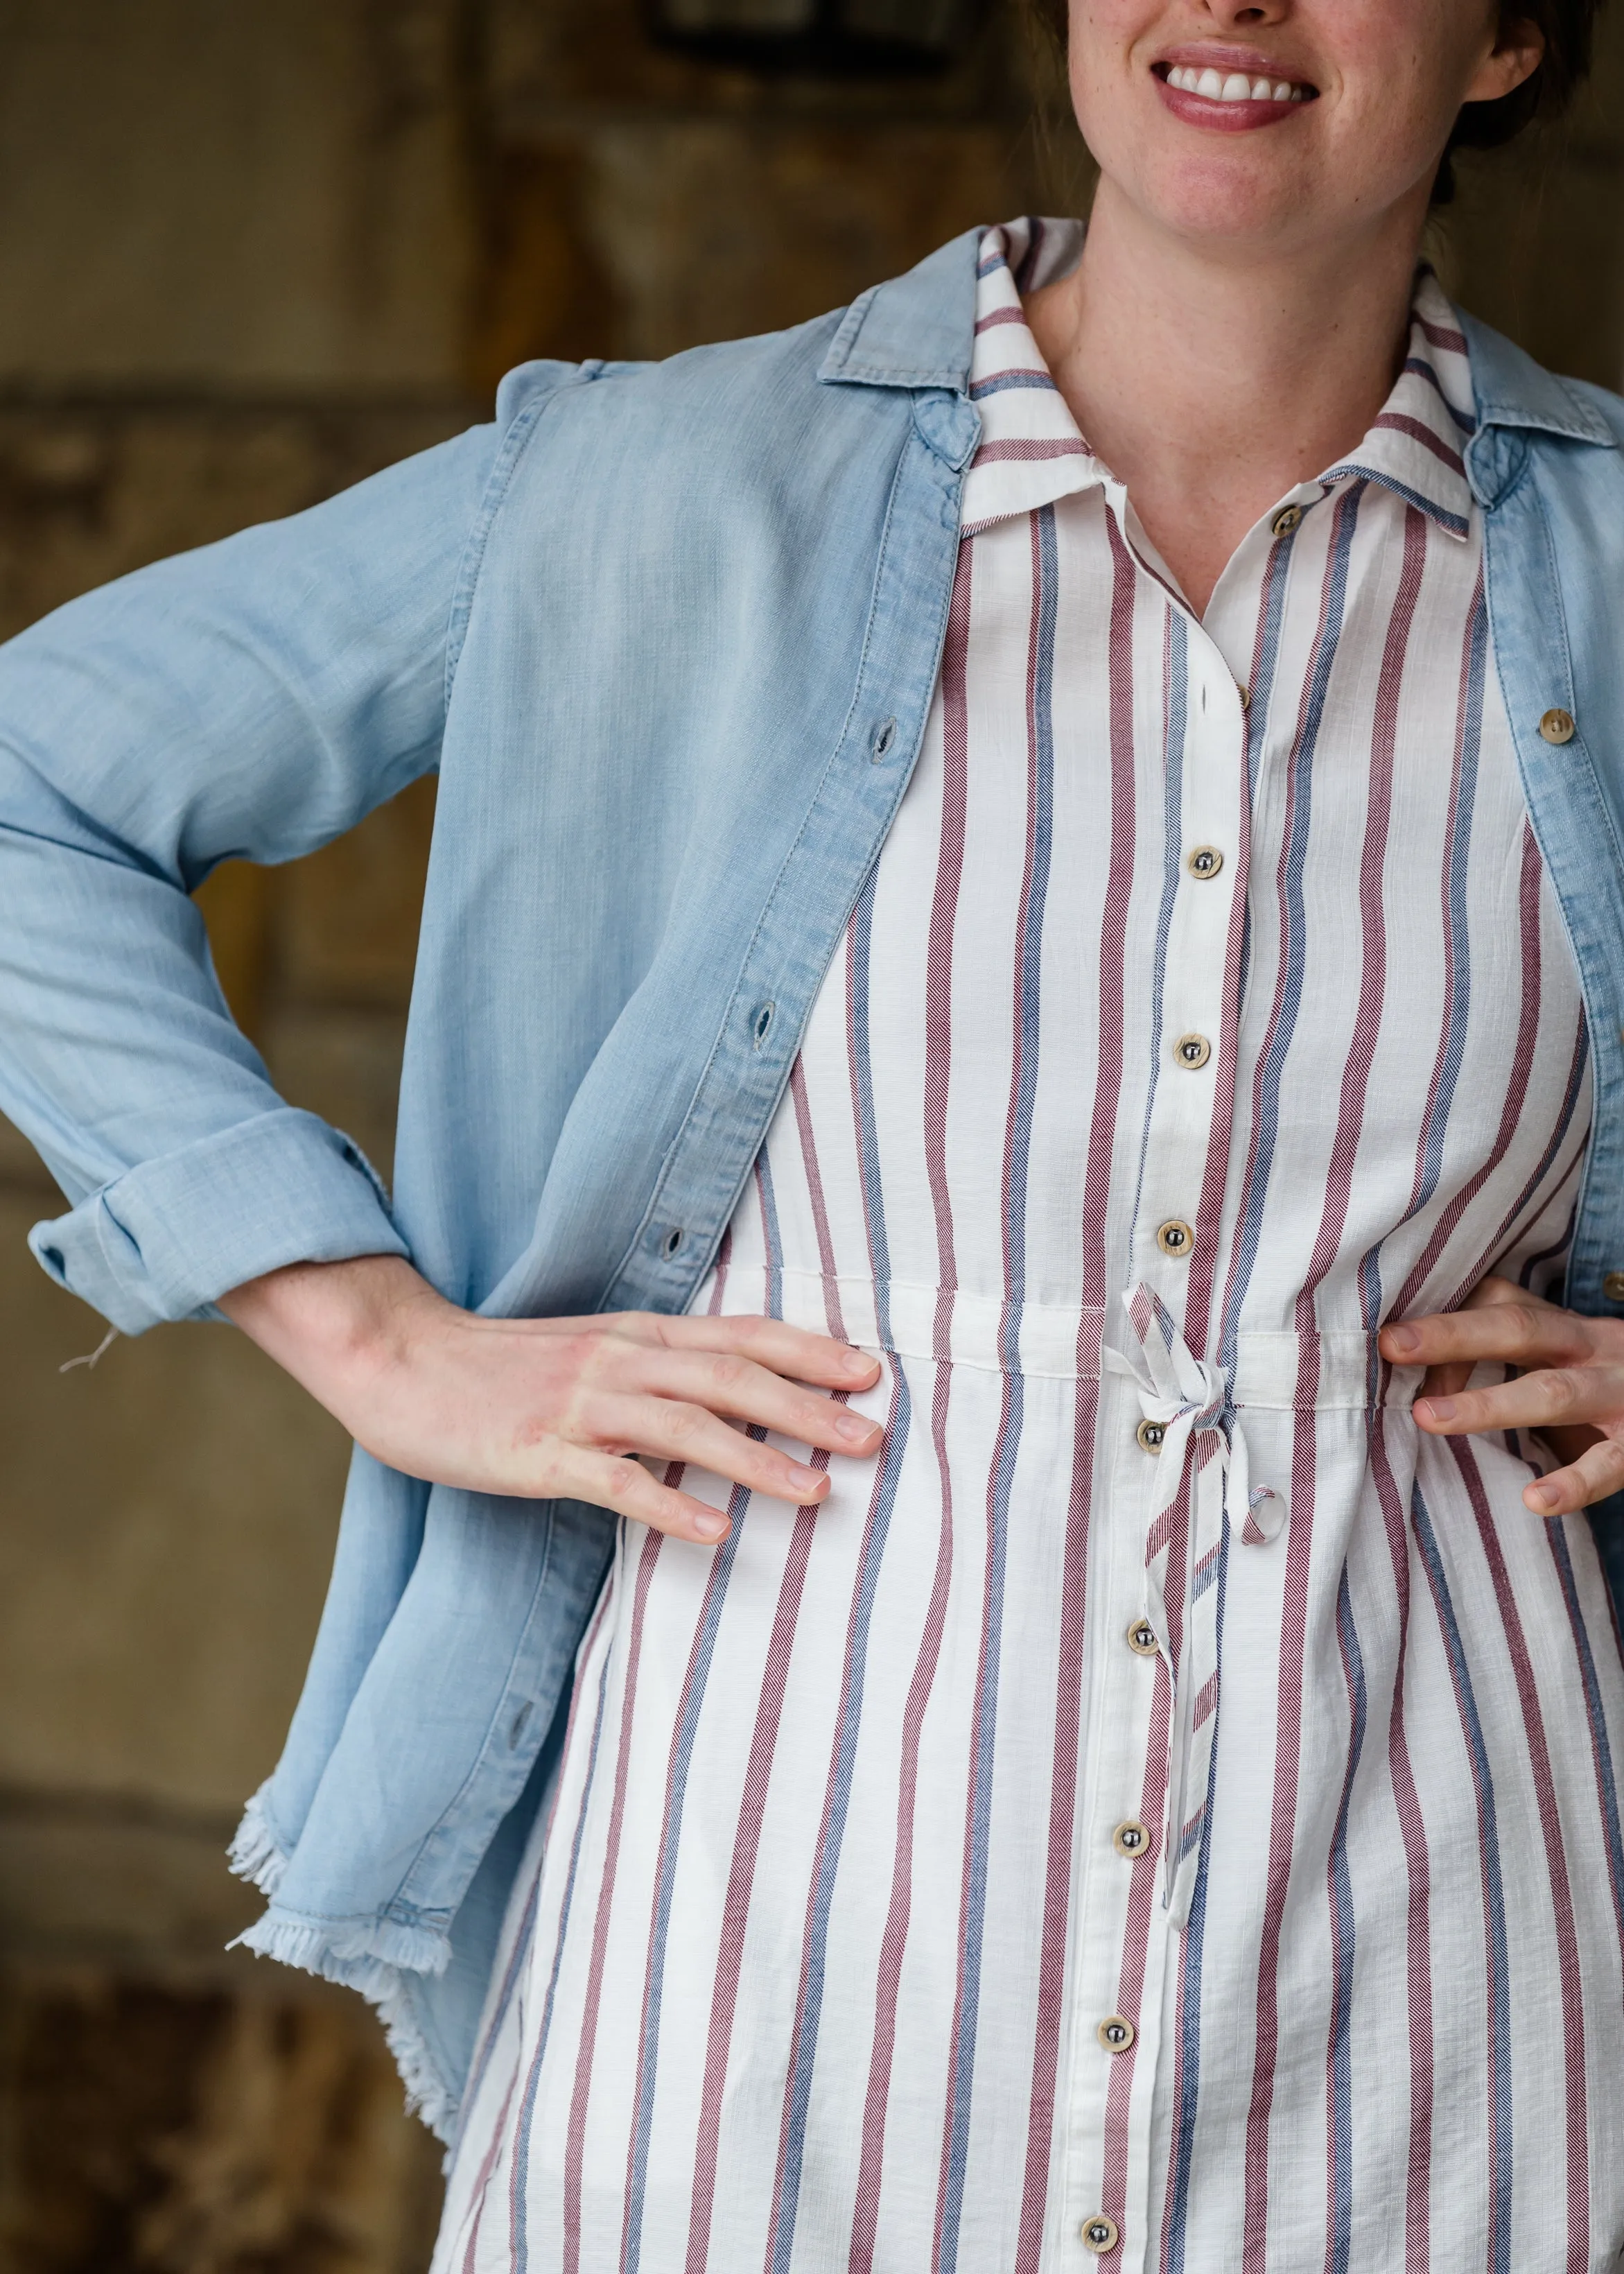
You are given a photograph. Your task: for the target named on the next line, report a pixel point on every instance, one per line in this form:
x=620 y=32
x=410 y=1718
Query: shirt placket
x=1124 y=1942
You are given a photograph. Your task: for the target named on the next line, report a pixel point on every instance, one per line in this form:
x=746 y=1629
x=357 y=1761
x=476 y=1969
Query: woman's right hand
x=549 y=1408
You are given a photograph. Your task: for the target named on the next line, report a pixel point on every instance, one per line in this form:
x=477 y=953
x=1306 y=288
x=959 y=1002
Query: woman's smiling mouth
x=1230 y=92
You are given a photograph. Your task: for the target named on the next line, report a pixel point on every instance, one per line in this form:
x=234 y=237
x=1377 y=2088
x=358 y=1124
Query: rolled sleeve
x=164 y=1240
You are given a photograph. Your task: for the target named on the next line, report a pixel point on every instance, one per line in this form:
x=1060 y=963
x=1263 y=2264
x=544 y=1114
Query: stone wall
x=249 y=253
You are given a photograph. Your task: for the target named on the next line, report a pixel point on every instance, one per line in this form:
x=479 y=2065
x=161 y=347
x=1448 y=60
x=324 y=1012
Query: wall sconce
x=843 y=38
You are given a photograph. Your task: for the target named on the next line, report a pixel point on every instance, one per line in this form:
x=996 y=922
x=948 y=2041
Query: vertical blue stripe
x=527 y=2111
x=775 y=1249
x=1460 y=989
x=1174 y=730
x=1029 y=985
x=805 y=2048
x=1190 y=1994
x=1341 y=1895
x=1494 y=1905
x=683 y=1756
x=1276 y=584
x=1560 y=1550
x=1279 y=1043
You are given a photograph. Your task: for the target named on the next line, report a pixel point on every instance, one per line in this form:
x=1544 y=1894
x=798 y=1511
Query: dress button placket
x=1115 y=1975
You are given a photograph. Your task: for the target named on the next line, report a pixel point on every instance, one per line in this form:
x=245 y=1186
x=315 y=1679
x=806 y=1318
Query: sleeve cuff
x=164 y=1240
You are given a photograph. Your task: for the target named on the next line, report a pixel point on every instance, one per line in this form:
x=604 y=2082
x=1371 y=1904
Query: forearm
x=338 y=1328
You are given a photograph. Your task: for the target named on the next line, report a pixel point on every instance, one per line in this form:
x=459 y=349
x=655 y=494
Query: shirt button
x=1142 y=1638
x=1192 y=1050
x=1245 y=695
x=1131 y=1839
x=1286 y=519
x=1613 y=1286
x=1557 y=726
x=1204 y=861
x=1116 y=2033
x=1099 y=2233
x=1174 y=1239
x=1150 y=1434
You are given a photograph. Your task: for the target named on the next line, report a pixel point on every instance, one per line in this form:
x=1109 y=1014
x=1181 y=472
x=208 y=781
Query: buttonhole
x=884 y=736
x=521 y=1722
x=761 y=1025
x=673 y=1240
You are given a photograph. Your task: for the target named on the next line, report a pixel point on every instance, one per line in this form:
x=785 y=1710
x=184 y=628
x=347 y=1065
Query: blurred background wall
x=250 y=250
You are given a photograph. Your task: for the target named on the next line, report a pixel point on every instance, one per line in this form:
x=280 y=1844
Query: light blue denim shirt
x=669 y=634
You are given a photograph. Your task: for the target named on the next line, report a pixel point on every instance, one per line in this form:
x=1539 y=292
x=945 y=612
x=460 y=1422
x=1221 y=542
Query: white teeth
x=1235 y=89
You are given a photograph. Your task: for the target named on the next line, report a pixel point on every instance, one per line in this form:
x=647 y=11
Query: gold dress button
x=1116 y=2033
x=1192 y=1050
x=1557 y=726
x=1131 y=1839
x=1150 y=1434
x=1174 y=1239
x=1204 y=861
x=1286 y=519
x=1613 y=1286
x=1142 y=1638
x=1099 y=2233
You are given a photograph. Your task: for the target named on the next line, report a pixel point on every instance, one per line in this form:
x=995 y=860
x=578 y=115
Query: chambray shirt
x=670 y=634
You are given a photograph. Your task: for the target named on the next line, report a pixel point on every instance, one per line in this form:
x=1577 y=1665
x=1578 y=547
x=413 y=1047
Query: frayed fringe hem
x=255 y=1853
x=378 y=1958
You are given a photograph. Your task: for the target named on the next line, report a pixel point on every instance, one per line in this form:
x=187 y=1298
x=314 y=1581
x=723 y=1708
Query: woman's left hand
x=1569 y=1387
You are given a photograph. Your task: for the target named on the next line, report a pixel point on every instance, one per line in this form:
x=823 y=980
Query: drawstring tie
x=1204 y=1477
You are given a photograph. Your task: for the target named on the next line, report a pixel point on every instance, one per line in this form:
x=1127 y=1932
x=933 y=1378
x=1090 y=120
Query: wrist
x=335 y=1328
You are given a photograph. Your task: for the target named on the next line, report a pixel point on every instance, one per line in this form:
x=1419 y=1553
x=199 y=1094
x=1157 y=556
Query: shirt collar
x=1415 y=443
x=1032 y=451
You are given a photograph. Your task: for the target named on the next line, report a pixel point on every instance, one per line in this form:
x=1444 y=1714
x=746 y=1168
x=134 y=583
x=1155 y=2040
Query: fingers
x=1597 y=1472
x=677 y=1432
x=1557 y=1396
x=1512 y=1326
x=789 y=1350
x=626 y=1489
x=723 y=1382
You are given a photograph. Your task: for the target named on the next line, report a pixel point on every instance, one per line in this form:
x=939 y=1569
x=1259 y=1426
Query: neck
x=1210 y=388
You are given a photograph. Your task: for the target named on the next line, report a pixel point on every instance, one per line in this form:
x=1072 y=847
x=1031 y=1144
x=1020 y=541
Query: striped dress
x=1162 y=1810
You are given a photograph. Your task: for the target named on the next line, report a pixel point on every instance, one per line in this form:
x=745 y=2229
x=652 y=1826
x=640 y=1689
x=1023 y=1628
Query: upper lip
x=1213 y=54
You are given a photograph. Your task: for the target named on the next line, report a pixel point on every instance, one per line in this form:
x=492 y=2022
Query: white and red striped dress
x=1206 y=1858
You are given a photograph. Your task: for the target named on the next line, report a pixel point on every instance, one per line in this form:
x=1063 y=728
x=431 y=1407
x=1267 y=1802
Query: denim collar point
x=914 y=331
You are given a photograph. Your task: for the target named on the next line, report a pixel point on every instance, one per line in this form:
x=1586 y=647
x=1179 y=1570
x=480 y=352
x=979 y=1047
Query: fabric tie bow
x=1204 y=1488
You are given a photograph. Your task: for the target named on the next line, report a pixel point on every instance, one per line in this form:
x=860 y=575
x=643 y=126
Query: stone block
x=344 y=1065
x=712 y=229
x=270 y=194
x=346 y=918
x=170 y=1521
x=92 y=488
x=205 y=2123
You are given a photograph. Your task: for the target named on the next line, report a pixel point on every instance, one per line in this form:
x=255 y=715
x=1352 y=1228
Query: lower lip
x=1227 y=117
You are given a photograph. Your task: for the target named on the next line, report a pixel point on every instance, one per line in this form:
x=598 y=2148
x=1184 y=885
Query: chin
x=1242 y=198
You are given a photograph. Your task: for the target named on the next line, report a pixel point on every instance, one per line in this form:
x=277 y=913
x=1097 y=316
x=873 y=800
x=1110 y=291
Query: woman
x=988 y=999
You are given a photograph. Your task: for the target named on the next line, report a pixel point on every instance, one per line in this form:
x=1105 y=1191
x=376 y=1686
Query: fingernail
x=1439 y=1409
x=809 y=1480
x=853 y=1427
x=1402 y=1338
x=709 y=1527
x=1543 y=1495
x=856 y=1361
